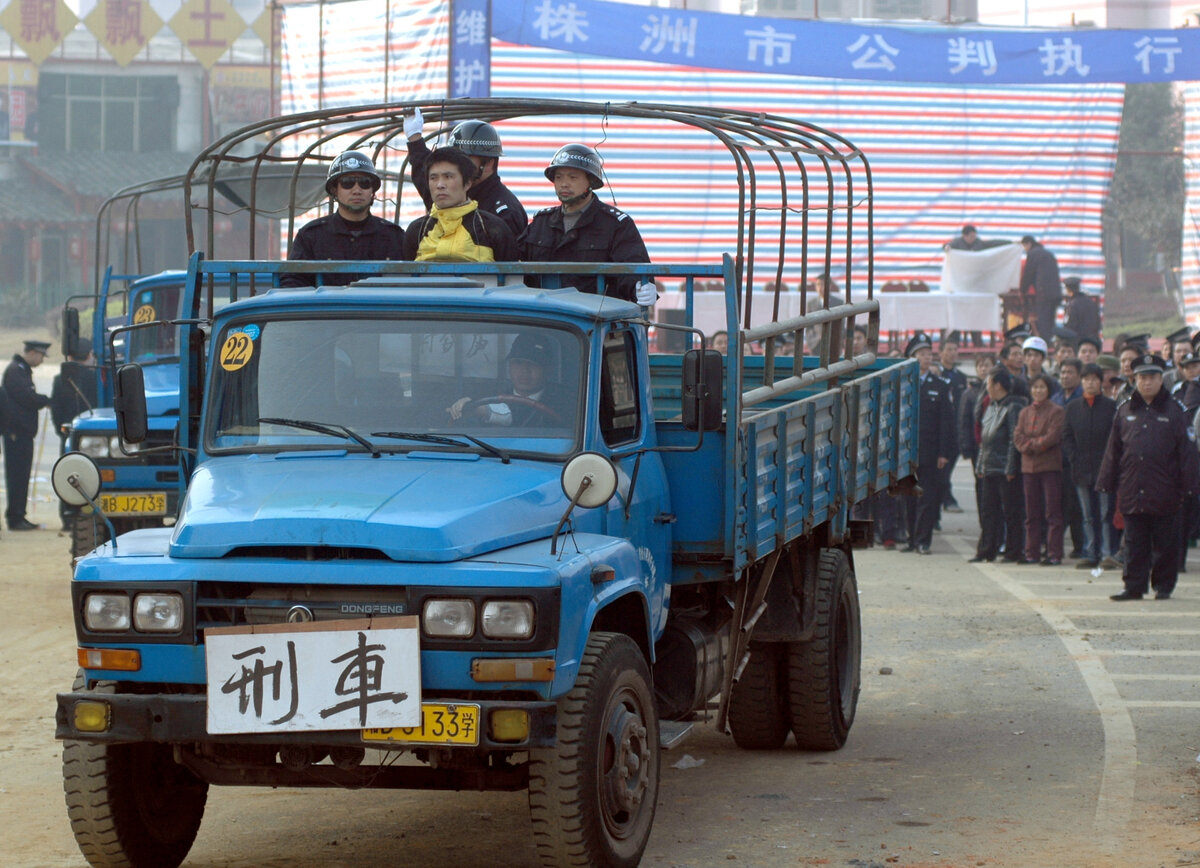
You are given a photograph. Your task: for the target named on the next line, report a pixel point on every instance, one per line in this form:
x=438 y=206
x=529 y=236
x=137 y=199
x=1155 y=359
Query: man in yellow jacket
x=455 y=229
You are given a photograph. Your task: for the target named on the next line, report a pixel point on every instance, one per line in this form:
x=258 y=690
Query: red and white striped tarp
x=1012 y=160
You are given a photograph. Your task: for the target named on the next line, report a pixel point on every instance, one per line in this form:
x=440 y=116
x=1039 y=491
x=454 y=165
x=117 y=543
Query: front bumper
x=181 y=719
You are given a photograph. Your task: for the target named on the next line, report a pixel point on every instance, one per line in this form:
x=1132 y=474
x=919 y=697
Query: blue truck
x=143 y=483
x=537 y=592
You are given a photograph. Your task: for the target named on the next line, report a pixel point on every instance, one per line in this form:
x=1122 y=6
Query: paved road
x=1023 y=720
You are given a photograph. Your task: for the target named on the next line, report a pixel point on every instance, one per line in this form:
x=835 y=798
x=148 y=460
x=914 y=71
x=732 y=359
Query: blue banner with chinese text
x=944 y=55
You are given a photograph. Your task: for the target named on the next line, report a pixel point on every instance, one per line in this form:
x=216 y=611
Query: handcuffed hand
x=414 y=124
x=646 y=294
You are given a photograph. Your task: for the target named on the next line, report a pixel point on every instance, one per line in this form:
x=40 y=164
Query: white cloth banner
x=994 y=270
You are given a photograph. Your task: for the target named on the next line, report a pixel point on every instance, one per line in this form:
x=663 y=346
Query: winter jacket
x=602 y=234
x=998 y=455
x=1085 y=436
x=74 y=391
x=22 y=400
x=333 y=237
x=1038 y=436
x=1151 y=460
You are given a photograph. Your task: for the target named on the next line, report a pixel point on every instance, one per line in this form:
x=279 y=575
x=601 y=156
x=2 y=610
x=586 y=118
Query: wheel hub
x=625 y=765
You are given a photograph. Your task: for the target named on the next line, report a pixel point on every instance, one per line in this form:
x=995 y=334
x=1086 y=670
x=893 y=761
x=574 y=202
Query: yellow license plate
x=440 y=724
x=134 y=503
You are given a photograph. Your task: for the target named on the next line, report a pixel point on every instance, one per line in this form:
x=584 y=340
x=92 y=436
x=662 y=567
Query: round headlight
x=508 y=619
x=449 y=619
x=106 y=612
x=158 y=613
x=95 y=445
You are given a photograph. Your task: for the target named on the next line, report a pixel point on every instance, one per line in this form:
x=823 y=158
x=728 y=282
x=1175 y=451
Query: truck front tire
x=592 y=797
x=131 y=805
x=823 y=673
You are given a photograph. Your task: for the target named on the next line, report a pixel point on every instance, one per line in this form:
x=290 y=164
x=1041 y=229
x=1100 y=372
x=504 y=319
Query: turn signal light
x=91 y=716
x=119 y=659
x=513 y=669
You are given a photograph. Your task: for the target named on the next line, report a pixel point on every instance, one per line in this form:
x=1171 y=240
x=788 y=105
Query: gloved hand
x=414 y=124
x=646 y=294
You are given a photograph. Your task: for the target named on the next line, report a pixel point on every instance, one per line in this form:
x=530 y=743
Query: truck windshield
x=514 y=387
x=153 y=304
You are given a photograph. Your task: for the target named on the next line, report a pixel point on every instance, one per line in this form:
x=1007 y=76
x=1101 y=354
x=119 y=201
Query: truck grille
x=234 y=604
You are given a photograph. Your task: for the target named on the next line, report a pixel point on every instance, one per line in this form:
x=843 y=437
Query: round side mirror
x=77 y=468
x=597 y=472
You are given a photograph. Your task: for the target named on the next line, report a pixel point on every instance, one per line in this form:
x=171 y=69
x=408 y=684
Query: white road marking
x=1152 y=676
x=1115 y=801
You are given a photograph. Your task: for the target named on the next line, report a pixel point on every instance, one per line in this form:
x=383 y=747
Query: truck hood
x=417 y=507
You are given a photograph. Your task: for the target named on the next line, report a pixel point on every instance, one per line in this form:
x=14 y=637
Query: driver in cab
x=531 y=402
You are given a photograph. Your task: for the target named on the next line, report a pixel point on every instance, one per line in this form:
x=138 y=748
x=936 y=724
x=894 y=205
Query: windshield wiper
x=330 y=428
x=445 y=441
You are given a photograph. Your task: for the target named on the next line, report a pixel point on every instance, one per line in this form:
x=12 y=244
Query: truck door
x=642 y=503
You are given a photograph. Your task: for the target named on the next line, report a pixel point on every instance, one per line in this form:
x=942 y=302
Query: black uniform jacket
x=1151 y=461
x=1040 y=274
x=485 y=229
x=603 y=234
x=332 y=237
x=490 y=193
x=935 y=421
x=1083 y=316
x=1085 y=437
x=998 y=455
x=74 y=391
x=22 y=399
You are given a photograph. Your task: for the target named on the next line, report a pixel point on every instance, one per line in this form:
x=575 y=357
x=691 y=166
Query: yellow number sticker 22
x=236 y=351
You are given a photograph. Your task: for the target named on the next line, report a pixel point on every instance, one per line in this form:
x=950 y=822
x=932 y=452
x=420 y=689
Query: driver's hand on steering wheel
x=456 y=409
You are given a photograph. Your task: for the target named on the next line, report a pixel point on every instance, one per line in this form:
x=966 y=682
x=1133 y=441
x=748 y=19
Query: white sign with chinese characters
x=314 y=676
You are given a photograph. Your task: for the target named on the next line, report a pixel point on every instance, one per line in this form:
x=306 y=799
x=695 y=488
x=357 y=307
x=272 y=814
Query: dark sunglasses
x=351 y=183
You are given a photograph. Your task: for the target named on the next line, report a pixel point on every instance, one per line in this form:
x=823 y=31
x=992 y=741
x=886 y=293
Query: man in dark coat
x=22 y=403
x=1085 y=436
x=1152 y=465
x=532 y=400
x=351 y=232
x=74 y=390
x=1083 y=314
x=1040 y=285
x=480 y=142
x=584 y=229
x=957 y=381
x=937 y=445
x=457 y=229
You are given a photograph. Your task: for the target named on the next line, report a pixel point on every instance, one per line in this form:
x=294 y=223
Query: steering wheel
x=549 y=412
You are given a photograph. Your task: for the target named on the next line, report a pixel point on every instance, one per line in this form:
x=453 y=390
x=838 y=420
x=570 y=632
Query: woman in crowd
x=998 y=465
x=1038 y=438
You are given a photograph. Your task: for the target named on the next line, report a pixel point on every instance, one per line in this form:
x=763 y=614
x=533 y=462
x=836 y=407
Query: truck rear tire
x=131 y=805
x=823 y=673
x=592 y=797
x=758 y=713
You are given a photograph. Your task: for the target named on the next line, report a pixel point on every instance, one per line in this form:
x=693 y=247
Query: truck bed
x=840 y=444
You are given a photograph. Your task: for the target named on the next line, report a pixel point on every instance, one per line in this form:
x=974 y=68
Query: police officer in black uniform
x=1152 y=465
x=937 y=444
x=584 y=229
x=22 y=403
x=351 y=232
x=479 y=141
